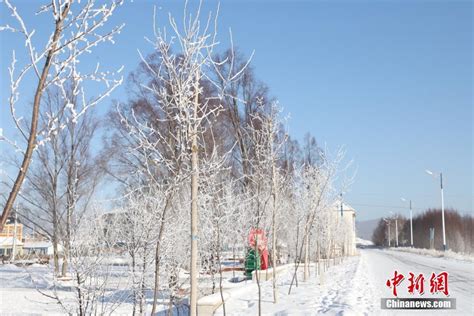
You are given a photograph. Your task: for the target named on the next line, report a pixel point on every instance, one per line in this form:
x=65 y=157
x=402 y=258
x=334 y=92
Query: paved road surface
x=381 y=264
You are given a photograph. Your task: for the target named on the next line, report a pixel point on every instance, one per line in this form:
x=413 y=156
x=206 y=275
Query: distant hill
x=366 y=228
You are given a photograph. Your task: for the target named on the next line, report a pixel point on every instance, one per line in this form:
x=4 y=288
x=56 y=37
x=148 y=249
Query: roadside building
x=8 y=243
x=348 y=215
x=11 y=237
x=9 y=229
x=39 y=247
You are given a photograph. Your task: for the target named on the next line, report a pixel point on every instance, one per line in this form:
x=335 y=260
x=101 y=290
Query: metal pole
x=341 y=206
x=396 y=231
x=442 y=210
x=411 y=225
x=14 y=233
x=388 y=233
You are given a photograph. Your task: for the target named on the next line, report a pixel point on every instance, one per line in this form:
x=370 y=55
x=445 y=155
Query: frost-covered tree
x=173 y=148
x=92 y=275
x=315 y=189
x=78 y=27
x=63 y=176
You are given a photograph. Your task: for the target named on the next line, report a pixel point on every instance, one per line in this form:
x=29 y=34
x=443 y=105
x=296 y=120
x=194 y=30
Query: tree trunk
x=220 y=269
x=157 y=278
x=142 y=282
x=134 y=285
x=34 y=118
x=306 y=257
x=275 y=298
x=70 y=198
x=257 y=277
x=55 y=241
x=194 y=206
x=80 y=297
x=316 y=266
x=157 y=256
x=296 y=250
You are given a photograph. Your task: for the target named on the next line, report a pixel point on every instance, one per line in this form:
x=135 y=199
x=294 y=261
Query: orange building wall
x=9 y=230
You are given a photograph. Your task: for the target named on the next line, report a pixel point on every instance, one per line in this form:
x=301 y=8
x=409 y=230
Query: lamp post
x=396 y=228
x=388 y=225
x=15 y=226
x=14 y=232
x=396 y=232
x=411 y=223
x=435 y=175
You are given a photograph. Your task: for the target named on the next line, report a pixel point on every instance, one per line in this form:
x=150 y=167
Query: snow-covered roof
x=11 y=221
x=8 y=242
x=345 y=207
x=38 y=244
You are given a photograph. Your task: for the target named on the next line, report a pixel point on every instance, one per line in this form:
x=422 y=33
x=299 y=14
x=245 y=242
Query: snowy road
x=356 y=286
x=381 y=265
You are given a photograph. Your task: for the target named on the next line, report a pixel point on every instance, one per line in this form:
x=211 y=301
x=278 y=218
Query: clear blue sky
x=391 y=80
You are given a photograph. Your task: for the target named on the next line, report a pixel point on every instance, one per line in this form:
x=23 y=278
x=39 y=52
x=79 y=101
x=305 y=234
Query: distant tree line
x=459 y=228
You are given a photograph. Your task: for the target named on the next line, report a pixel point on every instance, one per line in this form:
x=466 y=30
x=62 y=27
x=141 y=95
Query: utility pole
x=388 y=225
x=442 y=204
x=14 y=232
x=396 y=231
x=411 y=222
x=411 y=225
x=194 y=203
x=341 y=206
x=442 y=210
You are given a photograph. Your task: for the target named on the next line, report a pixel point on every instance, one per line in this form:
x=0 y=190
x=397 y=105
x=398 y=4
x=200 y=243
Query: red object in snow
x=264 y=259
x=258 y=236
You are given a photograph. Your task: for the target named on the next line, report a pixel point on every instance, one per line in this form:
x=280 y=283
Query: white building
x=349 y=217
x=7 y=244
x=39 y=247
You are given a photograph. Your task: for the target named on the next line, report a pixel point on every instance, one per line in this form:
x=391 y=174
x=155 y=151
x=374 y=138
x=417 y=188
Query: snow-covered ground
x=438 y=253
x=23 y=290
x=331 y=293
x=356 y=286
x=353 y=287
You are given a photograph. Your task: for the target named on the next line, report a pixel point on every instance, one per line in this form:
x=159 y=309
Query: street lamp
x=435 y=175
x=396 y=228
x=388 y=224
x=411 y=222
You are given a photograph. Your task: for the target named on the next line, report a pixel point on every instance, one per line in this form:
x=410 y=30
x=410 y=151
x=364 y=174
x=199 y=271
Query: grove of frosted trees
x=198 y=155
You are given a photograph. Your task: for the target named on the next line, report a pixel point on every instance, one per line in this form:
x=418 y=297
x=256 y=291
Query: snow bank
x=12 y=276
x=363 y=242
x=208 y=304
x=437 y=253
x=265 y=275
x=120 y=261
x=37 y=265
x=9 y=267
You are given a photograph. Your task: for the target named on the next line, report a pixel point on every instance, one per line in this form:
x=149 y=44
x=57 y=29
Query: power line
x=387 y=206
